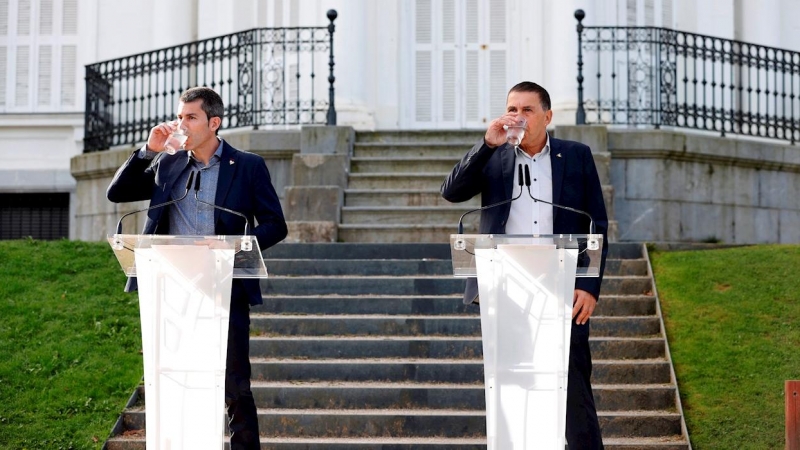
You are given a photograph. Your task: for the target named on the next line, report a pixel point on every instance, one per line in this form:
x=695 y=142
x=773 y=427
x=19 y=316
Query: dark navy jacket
x=490 y=173
x=244 y=185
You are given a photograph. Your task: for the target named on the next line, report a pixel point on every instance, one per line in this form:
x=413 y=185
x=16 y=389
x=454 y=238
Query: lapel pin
x=230 y=162
x=558 y=155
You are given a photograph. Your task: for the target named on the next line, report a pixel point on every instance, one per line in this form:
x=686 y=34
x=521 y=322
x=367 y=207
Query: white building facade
x=400 y=64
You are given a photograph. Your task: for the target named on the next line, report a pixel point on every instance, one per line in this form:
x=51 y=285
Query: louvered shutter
x=498 y=84
x=423 y=61
x=447 y=98
x=472 y=65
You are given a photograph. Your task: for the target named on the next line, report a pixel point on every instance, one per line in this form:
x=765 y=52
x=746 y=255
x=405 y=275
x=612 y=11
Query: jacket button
x=503 y=222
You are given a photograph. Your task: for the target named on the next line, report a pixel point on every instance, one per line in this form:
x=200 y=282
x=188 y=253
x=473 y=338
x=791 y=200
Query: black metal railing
x=661 y=77
x=266 y=76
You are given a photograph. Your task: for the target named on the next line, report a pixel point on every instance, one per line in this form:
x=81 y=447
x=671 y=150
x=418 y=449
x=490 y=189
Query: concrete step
x=359 y=285
x=455 y=150
x=398 y=443
x=641 y=443
x=362 y=267
x=357 y=250
x=454 y=423
x=654 y=371
x=644 y=397
x=640 y=423
x=354 y=347
x=403 y=164
x=360 y=304
x=369 y=233
x=336 y=395
x=421 y=137
x=325 y=443
x=439 y=347
x=437 y=370
x=275 y=303
x=393 y=267
x=401 y=197
x=626 y=305
x=415 y=285
x=411 y=250
x=396 y=180
x=422 y=325
x=403 y=215
x=368 y=369
x=371 y=395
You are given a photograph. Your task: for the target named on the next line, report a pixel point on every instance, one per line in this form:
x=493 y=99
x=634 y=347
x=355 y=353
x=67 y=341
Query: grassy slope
x=733 y=322
x=69 y=344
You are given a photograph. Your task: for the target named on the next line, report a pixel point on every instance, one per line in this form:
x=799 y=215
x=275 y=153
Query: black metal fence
x=266 y=76
x=660 y=77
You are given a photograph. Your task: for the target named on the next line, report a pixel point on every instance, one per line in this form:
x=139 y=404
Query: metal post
x=332 y=14
x=580 y=115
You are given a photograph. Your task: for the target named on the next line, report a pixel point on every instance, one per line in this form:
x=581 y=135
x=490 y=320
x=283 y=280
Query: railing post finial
x=332 y=15
x=580 y=114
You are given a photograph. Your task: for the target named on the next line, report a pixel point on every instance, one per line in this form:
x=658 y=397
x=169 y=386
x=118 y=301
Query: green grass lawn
x=733 y=323
x=69 y=344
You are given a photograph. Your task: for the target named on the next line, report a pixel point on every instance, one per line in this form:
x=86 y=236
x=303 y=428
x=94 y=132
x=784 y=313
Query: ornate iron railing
x=660 y=77
x=266 y=76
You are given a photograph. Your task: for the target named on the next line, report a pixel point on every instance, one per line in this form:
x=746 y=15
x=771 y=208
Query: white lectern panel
x=184 y=303
x=526 y=296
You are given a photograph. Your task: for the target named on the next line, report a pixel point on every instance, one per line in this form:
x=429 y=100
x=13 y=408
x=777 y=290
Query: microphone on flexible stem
x=246 y=242
x=591 y=221
x=461 y=220
x=188 y=186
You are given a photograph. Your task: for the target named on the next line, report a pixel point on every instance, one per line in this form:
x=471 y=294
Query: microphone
x=519 y=177
x=246 y=243
x=592 y=245
x=185 y=193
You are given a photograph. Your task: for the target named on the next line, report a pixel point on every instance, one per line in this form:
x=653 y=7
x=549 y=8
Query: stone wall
x=672 y=186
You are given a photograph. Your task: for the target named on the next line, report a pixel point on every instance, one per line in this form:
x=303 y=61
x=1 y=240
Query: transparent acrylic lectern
x=184 y=287
x=526 y=285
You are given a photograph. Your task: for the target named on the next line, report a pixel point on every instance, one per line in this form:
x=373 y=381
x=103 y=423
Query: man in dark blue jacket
x=231 y=179
x=563 y=173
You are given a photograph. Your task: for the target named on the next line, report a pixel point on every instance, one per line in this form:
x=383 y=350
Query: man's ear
x=548 y=117
x=215 y=123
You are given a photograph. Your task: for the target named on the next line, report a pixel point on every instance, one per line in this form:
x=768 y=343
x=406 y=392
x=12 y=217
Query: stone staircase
x=393 y=187
x=368 y=346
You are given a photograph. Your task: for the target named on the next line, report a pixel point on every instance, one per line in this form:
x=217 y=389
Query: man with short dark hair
x=564 y=173
x=232 y=179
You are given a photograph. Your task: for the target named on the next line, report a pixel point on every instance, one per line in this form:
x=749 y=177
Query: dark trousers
x=242 y=414
x=583 y=428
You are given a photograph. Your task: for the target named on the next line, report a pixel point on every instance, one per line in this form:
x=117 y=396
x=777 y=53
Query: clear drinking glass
x=175 y=140
x=515 y=132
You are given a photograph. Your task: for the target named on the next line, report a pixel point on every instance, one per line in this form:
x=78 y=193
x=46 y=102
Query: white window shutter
x=45 y=17
x=45 y=74
x=649 y=13
x=666 y=14
x=631 y=13
x=3 y=17
x=69 y=58
x=3 y=75
x=423 y=90
x=472 y=87
x=21 y=76
x=24 y=18
x=449 y=93
x=497 y=83
x=497 y=22
x=471 y=27
x=423 y=61
x=69 y=18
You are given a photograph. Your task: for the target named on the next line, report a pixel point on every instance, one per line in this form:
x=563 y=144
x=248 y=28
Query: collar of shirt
x=545 y=151
x=214 y=158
